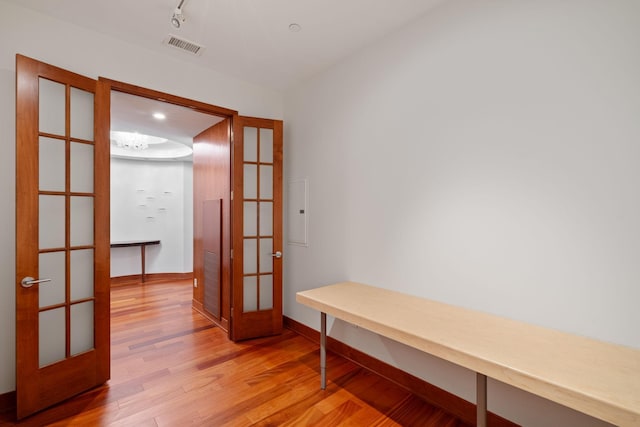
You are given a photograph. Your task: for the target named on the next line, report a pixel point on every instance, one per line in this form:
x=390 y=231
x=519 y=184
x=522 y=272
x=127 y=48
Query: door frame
x=226 y=114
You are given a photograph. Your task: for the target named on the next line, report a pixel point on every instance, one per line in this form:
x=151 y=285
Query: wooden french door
x=62 y=235
x=257 y=228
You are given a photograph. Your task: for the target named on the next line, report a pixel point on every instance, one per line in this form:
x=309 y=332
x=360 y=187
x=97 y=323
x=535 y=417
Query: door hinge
x=232 y=195
x=231 y=253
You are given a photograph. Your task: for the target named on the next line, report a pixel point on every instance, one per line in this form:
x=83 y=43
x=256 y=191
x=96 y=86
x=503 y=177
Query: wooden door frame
x=226 y=114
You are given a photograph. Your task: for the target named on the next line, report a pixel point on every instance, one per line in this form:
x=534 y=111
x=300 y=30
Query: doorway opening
x=157 y=225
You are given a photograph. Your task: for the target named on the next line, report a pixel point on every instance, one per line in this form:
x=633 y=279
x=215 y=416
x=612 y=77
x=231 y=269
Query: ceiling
x=248 y=39
x=130 y=113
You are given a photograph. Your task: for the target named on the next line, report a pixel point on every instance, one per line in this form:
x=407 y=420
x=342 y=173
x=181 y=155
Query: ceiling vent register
x=184 y=45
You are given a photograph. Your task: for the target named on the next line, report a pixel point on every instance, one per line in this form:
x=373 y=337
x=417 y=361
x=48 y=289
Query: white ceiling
x=249 y=39
x=130 y=113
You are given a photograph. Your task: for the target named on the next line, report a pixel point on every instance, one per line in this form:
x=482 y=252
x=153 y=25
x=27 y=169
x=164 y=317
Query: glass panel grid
x=250 y=144
x=250 y=294
x=81 y=119
x=52 y=265
x=250 y=181
x=266 y=219
x=81 y=168
x=250 y=256
x=51 y=164
x=265 y=258
x=81 y=221
x=250 y=219
x=81 y=270
x=266 y=145
x=266 y=182
x=64 y=221
x=51 y=221
x=266 y=292
x=81 y=327
x=51 y=336
x=52 y=107
x=258 y=219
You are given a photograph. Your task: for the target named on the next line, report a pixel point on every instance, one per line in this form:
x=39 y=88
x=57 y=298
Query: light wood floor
x=170 y=367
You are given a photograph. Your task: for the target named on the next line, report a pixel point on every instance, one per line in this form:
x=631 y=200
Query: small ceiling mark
x=295 y=28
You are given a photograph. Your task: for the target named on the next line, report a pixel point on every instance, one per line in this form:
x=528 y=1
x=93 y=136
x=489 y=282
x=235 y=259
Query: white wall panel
x=7 y=231
x=486 y=156
x=147 y=203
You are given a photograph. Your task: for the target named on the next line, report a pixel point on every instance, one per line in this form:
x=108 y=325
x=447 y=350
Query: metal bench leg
x=481 y=400
x=323 y=350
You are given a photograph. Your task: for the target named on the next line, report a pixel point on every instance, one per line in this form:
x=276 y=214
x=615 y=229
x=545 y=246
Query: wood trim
x=8 y=402
x=436 y=396
x=102 y=204
x=149 y=278
x=227 y=125
x=171 y=99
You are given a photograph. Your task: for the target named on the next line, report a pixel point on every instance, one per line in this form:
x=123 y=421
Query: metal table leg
x=481 y=400
x=323 y=350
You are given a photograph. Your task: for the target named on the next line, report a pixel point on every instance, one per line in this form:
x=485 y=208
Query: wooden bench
x=590 y=376
x=143 y=245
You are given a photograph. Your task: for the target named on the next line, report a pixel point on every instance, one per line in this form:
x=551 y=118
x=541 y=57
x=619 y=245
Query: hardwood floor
x=171 y=367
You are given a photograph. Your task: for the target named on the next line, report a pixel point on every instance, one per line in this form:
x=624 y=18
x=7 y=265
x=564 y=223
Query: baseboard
x=221 y=323
x=465 y=411
x=149 y=278
x=8 y=402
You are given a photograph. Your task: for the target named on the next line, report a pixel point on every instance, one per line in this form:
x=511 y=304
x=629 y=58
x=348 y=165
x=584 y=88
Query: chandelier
x=134 y=140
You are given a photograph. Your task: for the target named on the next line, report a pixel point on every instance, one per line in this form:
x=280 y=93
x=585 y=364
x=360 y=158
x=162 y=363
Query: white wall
x=486 y=156
x=7 y=231
x=92 y=54
x=148 y=203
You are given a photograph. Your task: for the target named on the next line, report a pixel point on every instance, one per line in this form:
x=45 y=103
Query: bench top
x=591 y=376
x=129 y=243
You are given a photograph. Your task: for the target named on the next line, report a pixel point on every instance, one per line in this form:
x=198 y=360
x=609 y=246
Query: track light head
x=178 y=18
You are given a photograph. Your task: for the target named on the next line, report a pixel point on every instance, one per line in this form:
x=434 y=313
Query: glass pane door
x=258 y=250
x=62 y=235
x=65 y=226
x=257 y=229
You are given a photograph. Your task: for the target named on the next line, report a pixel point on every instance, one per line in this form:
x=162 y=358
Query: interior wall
x=148 y=203
x=7 y=230
x=485 y=156
x=92 y=54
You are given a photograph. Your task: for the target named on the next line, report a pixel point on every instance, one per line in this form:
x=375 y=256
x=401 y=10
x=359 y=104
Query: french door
x=257 y=228
x=62 y=235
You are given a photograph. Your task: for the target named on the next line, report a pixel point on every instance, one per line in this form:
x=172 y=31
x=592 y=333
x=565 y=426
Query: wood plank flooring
x=171 y=367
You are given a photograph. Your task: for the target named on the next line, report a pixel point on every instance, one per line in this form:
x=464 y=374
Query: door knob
x=277 y=254
x=29 y=281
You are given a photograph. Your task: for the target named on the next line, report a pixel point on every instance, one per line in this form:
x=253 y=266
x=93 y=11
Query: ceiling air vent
x=184 y=45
